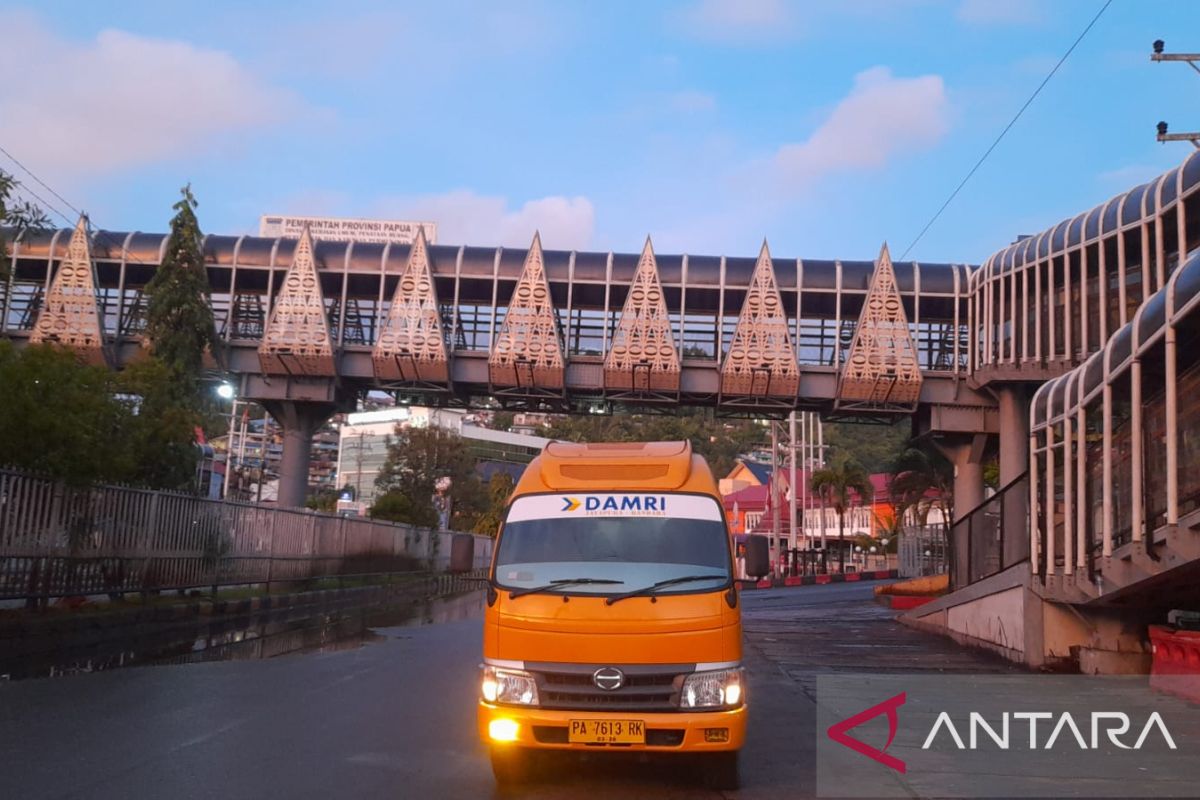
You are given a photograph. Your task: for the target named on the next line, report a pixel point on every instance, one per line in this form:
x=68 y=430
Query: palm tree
x=835 y=485
x=923 y=480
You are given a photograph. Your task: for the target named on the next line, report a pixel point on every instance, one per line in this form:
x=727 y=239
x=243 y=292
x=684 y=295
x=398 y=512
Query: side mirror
x=462 y=552
x=758 y=557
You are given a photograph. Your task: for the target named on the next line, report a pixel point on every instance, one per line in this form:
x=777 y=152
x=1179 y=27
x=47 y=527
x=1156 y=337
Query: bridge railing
x=57 y=540
x=991 y=537
x=923 y=550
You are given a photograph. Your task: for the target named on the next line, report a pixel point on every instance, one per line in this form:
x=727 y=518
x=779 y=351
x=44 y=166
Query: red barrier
x=824 y=579
x=901 y=602
x=765 y=583
x=853 y=576
x=882 y=574
x=793 y=580
x=1176 y=664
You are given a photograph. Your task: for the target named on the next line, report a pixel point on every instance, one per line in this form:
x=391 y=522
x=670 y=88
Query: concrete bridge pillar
x=966 y=453
x=300 y=420
x=1014 y=461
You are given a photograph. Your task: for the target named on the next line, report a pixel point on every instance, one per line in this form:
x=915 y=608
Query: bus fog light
x=503 y=730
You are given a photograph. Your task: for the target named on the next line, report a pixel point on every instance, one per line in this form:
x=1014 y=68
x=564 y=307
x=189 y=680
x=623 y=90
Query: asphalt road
x=395 y=718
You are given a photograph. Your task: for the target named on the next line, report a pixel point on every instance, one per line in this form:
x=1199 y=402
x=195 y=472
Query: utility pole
x=1190 y=59
x=795 y=485
x=773 y=491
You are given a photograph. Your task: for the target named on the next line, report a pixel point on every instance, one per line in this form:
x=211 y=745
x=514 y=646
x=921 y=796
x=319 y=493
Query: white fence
x=57 y=540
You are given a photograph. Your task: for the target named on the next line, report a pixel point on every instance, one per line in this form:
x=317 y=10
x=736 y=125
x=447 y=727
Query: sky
x=825 y=128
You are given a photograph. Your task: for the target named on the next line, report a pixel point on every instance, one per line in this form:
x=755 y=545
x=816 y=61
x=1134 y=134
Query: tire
x=510 y=766
x=721 y=771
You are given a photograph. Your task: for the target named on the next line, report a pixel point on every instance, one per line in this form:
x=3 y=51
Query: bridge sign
x=344 y=229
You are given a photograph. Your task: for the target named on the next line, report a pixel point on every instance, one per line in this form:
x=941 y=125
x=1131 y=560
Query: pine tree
x=179 y=320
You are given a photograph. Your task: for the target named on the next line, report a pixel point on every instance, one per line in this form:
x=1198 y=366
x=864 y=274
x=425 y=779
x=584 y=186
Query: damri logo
x=570 y=504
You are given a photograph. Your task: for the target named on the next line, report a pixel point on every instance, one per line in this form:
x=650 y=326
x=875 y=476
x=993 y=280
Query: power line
x=43 y=184
x=1007 y=127
x=23 y=189
x=103 y=234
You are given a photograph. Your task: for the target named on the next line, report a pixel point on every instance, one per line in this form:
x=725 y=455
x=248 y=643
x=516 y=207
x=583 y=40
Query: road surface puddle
x=266 y=635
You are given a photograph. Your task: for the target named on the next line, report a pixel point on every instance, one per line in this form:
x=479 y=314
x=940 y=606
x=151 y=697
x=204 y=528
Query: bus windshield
x=621 y=541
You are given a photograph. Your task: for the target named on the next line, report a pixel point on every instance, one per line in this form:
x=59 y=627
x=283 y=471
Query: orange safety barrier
x=1176 y=664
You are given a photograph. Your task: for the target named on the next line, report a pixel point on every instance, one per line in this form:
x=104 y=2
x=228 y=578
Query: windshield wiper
x=656 y=586
x=557 y=584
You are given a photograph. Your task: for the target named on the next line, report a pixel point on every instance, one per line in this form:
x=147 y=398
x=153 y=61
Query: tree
x=84 y=424
x=179 y=320
x=923 y=480
x=416 y=458
x=876 y=447
x=499 y=491
x=836 y=484
x=19 y=215
x=502 y=420
x=61 y=418
x=158 y=431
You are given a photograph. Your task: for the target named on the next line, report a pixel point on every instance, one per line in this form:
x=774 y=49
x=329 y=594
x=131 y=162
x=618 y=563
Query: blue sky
x=709 y=124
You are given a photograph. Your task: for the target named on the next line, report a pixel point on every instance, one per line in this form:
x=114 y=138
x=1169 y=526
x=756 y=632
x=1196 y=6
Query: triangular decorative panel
x=527 y=352
x=881 y=368
x=410 y=346
x=761 y=360
x=643 y=356
x=296 y=340
x=71 y=316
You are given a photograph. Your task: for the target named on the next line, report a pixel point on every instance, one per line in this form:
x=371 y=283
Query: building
x=364 y=442
x=748 y=510
x=747 y=472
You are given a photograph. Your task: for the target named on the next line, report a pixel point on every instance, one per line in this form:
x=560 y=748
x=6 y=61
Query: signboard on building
x=343 y=229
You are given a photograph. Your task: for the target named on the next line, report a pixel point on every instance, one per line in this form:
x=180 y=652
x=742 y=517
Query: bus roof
x=603 y=466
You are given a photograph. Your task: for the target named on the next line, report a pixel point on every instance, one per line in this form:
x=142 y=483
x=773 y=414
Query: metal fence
x=922 y=551
x=993 y=536
x=57 y=540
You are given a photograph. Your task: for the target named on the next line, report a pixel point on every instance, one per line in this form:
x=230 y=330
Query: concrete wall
x=997 y=618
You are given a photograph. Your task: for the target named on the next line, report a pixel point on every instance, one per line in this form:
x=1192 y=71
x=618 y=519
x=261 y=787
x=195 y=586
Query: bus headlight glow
x=716 y=689
x=511 y=686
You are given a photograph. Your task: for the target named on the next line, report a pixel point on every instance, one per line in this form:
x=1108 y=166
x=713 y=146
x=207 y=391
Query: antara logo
x=570 y=504
x=1114 y=724
x=838 y=731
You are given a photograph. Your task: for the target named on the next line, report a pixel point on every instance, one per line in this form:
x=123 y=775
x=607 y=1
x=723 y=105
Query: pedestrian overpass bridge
x=1074 y=353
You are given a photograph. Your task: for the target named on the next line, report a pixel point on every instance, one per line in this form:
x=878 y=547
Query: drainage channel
x=265 y=635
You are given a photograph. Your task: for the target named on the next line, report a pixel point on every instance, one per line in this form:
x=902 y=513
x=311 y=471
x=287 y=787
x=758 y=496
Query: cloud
x=998 y=12
x=690 y=101
x=739 y=20
x=883 y=117
x=464 y=217
x=122 y=100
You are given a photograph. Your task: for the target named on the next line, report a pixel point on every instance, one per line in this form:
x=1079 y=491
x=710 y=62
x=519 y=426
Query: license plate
x=607 y=731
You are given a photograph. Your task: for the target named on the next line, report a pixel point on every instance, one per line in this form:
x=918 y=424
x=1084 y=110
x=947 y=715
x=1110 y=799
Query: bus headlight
x=510 y=686
x=723 y=688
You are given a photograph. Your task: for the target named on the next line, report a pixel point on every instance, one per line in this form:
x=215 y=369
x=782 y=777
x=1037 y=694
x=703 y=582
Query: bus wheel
x=721 y=771
x=510 y=766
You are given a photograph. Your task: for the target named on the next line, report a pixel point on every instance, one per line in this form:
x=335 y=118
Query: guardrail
x=978 y=539
x=57 y=540
x=923 y=550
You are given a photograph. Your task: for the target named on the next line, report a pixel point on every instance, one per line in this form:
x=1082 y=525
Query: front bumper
x=665 y=732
